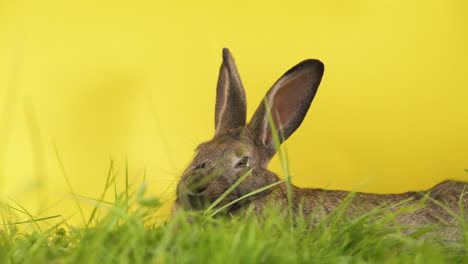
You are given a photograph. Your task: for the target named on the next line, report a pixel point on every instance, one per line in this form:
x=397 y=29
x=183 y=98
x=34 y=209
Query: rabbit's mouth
x=192 y=201
x=197 y=201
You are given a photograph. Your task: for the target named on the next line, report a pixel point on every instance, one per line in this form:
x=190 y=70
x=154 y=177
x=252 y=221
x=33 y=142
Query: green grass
x=127 y=234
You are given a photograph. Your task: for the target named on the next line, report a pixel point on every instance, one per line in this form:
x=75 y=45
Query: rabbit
x=238 y=147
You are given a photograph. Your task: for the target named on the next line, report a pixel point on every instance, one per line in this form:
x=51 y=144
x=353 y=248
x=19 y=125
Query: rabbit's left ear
x=231 y=105
x=288 y=99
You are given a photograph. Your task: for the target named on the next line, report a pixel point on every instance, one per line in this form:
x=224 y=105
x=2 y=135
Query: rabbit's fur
x=238 y=147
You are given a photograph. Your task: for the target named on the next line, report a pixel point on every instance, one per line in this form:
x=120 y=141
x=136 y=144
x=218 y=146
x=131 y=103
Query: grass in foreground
x=125 y=236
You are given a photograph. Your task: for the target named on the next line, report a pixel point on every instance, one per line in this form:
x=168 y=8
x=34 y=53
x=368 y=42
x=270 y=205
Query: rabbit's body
x=239 y=148
x=430 y=209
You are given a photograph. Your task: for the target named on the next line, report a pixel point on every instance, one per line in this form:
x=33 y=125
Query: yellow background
x=135 y=80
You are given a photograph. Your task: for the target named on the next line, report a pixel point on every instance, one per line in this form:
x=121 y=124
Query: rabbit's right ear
x=231 y=105
x=288 y=99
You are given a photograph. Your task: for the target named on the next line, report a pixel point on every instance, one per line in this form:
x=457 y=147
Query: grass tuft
x=124 y=236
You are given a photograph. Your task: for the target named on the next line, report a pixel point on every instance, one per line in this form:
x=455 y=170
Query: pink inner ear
x=286 y=105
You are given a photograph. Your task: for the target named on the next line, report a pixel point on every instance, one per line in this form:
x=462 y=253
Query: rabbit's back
x=433 y=206
x=435 y=203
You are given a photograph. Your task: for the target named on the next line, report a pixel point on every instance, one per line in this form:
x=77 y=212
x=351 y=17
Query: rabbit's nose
x=197 y=200
x=197 y=189
x=197 y=183
x=200 y=166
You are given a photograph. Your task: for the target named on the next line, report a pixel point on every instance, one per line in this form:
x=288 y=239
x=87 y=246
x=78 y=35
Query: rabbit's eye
x=200 y=166
x=243 y=162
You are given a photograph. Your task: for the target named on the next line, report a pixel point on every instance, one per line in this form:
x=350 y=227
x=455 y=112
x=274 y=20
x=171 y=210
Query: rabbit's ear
x=289 y=99
x=231 y=106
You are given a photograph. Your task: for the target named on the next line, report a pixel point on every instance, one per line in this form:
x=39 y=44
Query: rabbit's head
x=238 y=147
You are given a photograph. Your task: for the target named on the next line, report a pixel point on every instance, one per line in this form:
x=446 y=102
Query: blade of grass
x=49 y=207
x=92 y=199
x=70 y=188
x=109 y=172
x=282 y=156
x=87 y=199
x=63 y=221
x=126 y=184
x=115 y=185
x=228 y=191
x=248 y=195
x=30 y=215
x=11 y=207
x=35 y=220
x=5 y=233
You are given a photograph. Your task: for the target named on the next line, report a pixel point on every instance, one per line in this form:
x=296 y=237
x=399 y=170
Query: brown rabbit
x=238 y=147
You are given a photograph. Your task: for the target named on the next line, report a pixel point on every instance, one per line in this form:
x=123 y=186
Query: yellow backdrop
x=135 y=81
